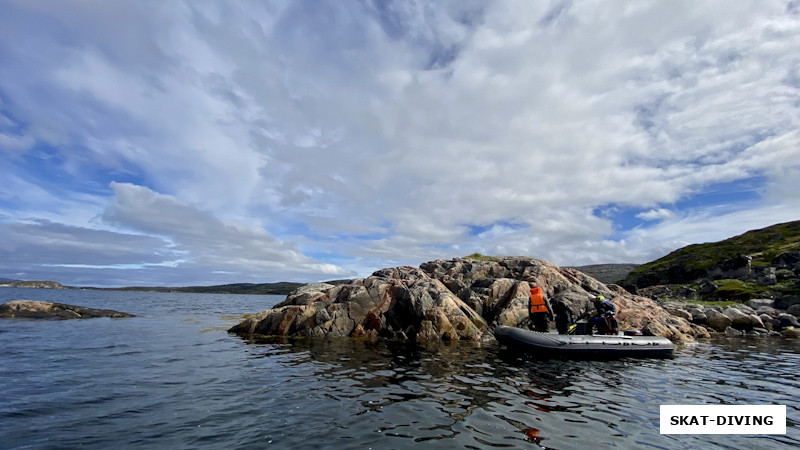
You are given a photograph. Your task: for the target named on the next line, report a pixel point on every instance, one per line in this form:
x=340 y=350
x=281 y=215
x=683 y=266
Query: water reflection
x=481 y=396
x=468 y=392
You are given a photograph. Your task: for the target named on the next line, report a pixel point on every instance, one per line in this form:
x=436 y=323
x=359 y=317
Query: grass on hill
x=693 y=261
x=480 y=257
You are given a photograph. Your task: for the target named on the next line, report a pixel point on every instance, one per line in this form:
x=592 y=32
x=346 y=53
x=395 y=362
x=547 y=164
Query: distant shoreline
x=605 y=273
x=277 y=288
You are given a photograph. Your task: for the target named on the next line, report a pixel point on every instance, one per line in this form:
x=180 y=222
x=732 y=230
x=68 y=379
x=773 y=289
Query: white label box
x=723 y=419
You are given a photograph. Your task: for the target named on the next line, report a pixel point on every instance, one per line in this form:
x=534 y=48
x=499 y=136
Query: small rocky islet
x=454 y=299
x=465 y=298
x=34 y=309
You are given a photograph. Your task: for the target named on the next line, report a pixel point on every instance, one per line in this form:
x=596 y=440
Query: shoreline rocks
x=32 y=309
x=455 y=299
x=760 y=317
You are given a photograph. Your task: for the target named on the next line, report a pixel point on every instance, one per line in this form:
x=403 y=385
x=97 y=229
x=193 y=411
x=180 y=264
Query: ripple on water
x=159 y=381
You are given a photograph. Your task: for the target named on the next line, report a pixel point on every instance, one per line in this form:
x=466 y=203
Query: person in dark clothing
x=540 y=312
x=604 y=317
x=563 y=316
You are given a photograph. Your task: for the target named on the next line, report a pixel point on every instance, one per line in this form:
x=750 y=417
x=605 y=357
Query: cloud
x=15 y=144
x=655 y=214
x=40 y=249
x=307 y=139
x=199 y=239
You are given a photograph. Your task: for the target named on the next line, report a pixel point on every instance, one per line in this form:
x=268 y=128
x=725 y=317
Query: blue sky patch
x=726 y=197
x=501 y=225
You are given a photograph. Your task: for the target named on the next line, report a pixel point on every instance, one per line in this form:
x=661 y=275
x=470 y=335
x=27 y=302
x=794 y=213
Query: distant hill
x=763 y=263
x=279 y=288
x=607 y=273
x=693 y=262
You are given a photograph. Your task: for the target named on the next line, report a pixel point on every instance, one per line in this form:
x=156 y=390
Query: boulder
x=733 y=332
x=739 y=320
x=733 y=268
x=700 y=332
x=787 y=260
x=717 y=321
x=32 y=309
x=767 y=310
x=766 y=276
x=794 y=310
x=678 y=309
x=788 y=320
x=743 y=308
x=786 y=301
x=687 y=292
x=699 y=316
x=755 y=321
x=654 y=329
x=792 y=333
x=707 y=287
x=770 y=323
x=759 y=302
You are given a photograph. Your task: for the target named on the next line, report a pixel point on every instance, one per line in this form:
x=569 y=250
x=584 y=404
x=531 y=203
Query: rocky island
x=454 y=299
x=31 y=309
x=747 y=285
x=33 y=284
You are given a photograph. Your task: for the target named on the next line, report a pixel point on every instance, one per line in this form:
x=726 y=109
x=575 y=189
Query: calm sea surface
x=174 y=378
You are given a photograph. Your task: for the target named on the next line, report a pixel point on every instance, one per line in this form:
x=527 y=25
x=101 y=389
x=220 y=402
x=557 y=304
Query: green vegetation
x=721 y=303
x=783 y=274
x=737 y=290
x=692 y=262
x=480 y=257
x=740 y=291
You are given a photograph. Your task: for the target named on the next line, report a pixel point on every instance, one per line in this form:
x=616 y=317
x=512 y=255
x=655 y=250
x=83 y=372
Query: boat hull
x=577 y=346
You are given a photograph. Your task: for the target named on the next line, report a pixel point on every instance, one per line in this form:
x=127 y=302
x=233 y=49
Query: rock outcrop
x=34 y=284
x=31 y=309
x=456 y=299
x=759 y=317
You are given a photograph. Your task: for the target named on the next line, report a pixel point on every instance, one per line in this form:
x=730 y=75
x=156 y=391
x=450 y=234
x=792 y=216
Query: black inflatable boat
x=578 y=346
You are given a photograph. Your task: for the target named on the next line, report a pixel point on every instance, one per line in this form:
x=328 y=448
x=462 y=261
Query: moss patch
x=721 y=303
x=480 y=257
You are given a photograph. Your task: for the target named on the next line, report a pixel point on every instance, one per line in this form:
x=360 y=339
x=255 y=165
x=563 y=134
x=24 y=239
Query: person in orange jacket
x=539 y=311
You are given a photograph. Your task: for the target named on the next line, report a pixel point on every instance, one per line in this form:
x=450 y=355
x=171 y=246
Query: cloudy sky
x=180 y=143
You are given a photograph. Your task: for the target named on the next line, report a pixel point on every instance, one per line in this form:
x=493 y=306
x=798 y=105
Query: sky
x=210 y=142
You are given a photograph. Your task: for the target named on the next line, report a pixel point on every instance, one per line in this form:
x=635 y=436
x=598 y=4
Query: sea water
x=172 y=377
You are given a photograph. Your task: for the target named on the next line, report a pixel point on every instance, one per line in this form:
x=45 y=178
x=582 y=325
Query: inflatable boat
x=581 y=346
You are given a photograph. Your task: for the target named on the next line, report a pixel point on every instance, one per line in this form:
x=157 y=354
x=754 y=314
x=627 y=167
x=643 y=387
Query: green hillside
x=691 y=263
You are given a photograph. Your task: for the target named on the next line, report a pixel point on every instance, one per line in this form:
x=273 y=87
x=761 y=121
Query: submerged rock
x=32 y=309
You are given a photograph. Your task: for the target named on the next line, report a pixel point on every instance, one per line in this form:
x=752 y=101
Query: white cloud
x=383 y=132
x=15 y=144
x=656 y=214
x=204 y=241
